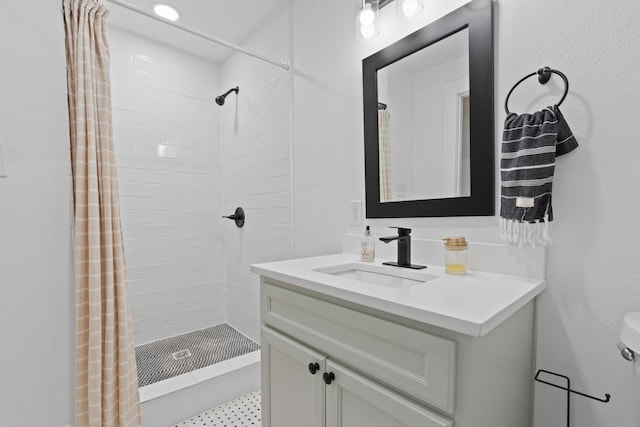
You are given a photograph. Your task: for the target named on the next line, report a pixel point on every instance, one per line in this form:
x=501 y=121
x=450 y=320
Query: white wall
x=166 y=134
x=591 y=272
x=327 y=121
x=592 y=281
x=36 y=279
x=256 y=135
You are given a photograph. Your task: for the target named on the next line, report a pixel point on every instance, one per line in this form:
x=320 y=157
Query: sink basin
x=393 y=277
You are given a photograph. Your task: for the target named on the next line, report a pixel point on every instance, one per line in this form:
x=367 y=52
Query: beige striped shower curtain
x=106 y=377
x=384 y=155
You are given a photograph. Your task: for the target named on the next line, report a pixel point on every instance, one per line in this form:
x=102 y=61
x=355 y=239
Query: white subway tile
x=260 y=201
x=177 y=267
x=175 y=318
x=133 y=189
x=124 y=146
x=176 y=305
x=166 y=151
x=275 y=231
x=171 y=230
x=172 y=255
x=142 y=176
x=161 y=295
x=174 y=281
x=166 y=217
x=157 y=203
x=260 y=157
x=262 y=186
x=250 y=256
x=159 y=243
x=128 y=161
x=242 y=145
x=192 y=141
x=274 y=169
x=137 y=133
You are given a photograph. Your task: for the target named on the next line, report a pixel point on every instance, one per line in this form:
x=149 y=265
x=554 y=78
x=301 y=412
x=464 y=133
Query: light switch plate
x=3 y=165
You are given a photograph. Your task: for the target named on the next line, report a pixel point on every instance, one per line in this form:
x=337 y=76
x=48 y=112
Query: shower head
x=220 y=99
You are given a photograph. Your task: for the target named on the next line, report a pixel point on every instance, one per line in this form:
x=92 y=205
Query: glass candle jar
x=455 y=255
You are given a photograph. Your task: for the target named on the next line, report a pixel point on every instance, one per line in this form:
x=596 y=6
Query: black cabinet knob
x=328 y=377
x=314 y=367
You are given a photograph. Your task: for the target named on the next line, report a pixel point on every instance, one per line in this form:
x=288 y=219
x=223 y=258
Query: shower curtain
x=384 y=153
x=106 y=376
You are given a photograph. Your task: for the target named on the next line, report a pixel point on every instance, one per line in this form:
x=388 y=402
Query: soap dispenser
x=367 y=246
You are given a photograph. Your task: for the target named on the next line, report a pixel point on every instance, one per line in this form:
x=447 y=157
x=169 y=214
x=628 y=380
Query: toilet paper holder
x=568 y=389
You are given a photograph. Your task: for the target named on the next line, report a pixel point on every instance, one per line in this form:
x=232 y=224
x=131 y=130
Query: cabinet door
x=355 y=401
x=291 y=395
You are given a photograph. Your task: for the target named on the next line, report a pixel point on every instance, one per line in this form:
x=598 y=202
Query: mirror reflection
x=423 y=123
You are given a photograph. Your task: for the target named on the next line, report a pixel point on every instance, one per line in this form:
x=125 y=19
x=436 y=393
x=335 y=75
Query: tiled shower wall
x=256 y=146
x=166 y=132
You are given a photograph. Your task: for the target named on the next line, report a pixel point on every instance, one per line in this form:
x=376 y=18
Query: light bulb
x=409 y=8
x=368 y=32
x=165 y=11
x=367 y=17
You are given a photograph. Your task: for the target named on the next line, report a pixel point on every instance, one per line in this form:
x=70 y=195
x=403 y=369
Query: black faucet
x=404 y=249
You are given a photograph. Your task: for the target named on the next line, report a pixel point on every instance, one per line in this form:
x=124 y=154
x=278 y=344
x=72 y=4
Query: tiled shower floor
x=177 y=355
x=241 y=412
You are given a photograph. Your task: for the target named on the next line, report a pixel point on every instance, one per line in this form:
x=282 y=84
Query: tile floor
x=241 y=412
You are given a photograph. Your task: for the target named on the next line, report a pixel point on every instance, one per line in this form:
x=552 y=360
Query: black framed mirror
x=428 y=120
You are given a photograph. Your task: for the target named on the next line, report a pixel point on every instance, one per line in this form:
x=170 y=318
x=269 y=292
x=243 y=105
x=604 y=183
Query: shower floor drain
x=177 y=355
x=182 y=354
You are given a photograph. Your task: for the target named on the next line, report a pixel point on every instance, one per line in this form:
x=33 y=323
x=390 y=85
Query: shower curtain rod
x=237 y=48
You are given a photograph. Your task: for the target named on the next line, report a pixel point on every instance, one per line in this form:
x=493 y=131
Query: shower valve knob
x=314 y=367
x=238 y=217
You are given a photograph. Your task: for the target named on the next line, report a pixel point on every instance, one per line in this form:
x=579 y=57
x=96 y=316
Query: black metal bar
x=568 y=389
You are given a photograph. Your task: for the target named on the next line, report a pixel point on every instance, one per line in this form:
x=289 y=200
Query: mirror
x=428 y=115
x=423 y=123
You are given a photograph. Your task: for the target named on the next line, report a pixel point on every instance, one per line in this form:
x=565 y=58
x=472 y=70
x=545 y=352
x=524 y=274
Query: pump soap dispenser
x=367 y=247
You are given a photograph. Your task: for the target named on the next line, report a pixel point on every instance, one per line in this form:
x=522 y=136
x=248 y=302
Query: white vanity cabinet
x=385 y=370
x=324 y=393
x=292 y=387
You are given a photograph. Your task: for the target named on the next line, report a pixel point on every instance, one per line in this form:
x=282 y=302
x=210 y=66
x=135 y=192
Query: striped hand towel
x=530 y=145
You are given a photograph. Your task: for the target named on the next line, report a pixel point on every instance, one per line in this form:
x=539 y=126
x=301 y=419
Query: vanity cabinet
x=330 y=362
x=324 y=393
x=292 y=386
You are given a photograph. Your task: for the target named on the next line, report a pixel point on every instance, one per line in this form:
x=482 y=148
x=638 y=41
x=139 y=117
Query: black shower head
x=220 y=99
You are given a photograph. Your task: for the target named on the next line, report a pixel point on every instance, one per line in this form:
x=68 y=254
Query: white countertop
x=471 y=304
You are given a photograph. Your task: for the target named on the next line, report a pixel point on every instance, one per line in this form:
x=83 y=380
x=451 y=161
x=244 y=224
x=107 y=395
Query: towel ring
x=544 y=74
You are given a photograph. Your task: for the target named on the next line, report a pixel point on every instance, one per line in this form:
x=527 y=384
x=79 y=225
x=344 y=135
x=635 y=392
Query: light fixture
x=367 y=17
x=366 y=23
x=165 y=11
x=409 y=8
